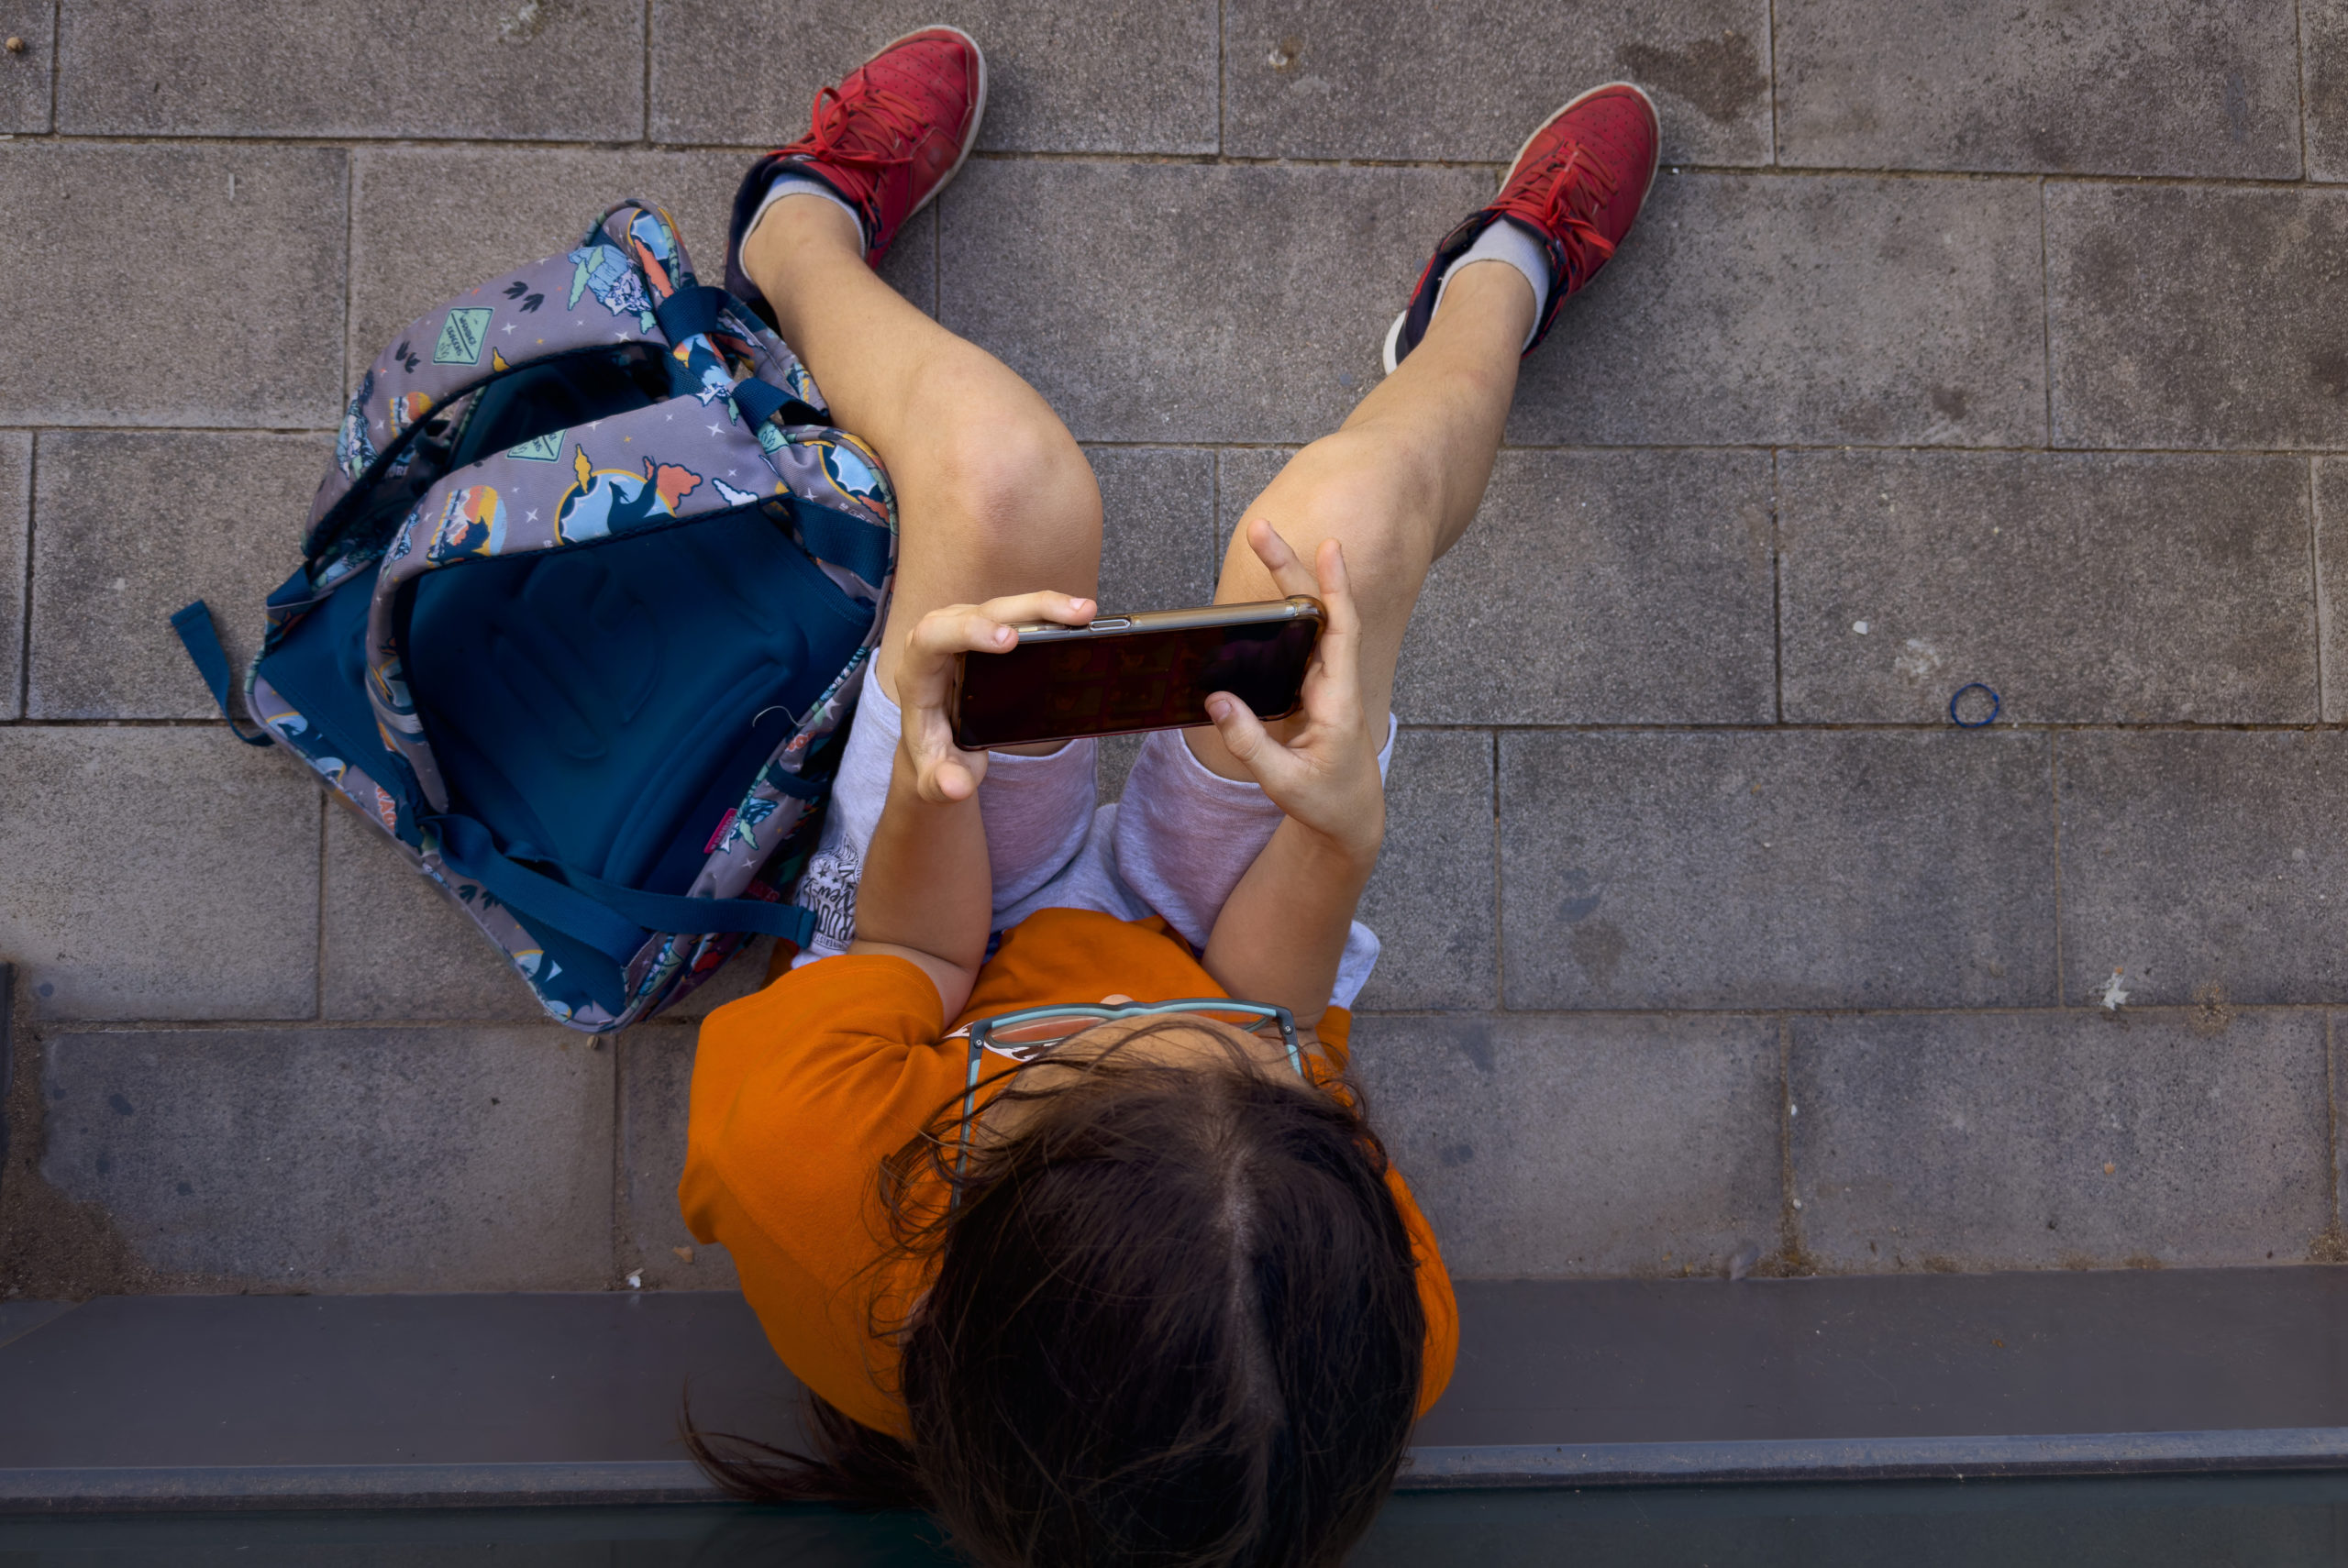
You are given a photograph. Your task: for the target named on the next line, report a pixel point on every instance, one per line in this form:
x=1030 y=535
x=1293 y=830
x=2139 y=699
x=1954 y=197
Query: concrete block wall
x=1958 y=343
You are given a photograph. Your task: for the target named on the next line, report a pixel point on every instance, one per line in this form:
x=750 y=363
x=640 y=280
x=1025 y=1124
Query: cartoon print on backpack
x=471 y=523
x=744 y=826
x=352 y=450
x=409 y=407
x=618 y=287
x=853 y=470
x=655 y=249
x=406 y=409
x=608 y=500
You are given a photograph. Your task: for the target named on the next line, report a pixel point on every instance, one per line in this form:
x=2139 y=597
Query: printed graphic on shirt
x=829 y=889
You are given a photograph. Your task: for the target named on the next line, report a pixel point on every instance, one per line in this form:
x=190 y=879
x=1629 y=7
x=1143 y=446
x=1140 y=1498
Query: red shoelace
x=1552 y=209
x=875 y=114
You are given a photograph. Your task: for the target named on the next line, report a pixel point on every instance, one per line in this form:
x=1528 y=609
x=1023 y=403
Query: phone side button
x=1108 y=623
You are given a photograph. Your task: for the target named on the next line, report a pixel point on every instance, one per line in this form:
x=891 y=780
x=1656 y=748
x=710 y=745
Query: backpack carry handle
x=200 y=638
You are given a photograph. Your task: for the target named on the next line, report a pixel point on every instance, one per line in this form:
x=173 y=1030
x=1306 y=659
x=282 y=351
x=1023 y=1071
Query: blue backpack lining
x=603 y=707
x=663 y=668
x=320 y=667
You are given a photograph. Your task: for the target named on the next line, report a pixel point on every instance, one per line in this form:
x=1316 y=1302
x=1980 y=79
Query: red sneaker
x=886 y=139
x=1576 y=184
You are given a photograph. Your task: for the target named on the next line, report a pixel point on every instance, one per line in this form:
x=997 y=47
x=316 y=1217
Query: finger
x=948 y=781
x=1058 y=607
x=1336 y=583
x=1244 y=736
x=1333 y=685
x=1288 y=568
x=964 y=628
x=987 y=628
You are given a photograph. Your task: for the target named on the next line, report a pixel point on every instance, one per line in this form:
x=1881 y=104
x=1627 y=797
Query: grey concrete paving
x=1610 y=586
x=1157 y=544
x=1605 y=1146
x=1131 y=335
x=333 y=1159
x=2323 y=74
x=2043 y=85
x=1754 y=310
x=24 y=74
x=137 y=524
x=1693 y=870
x=572 y=72
x=1420 y=80
x=1063 y=76
x=394 y=947
x=2084 y=589
x=416 y=237
x=16 y=525
x=2331 y=493
x=157 y=873
x=656 y=1066
x=1431 y=901
x=2014 y=333
x=229 y=315
x=2206 y=864
x=2072 y=1140
x=2147 y=349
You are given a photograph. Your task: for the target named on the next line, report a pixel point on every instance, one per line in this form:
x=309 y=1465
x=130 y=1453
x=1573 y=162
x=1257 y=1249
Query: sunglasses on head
x=1034 y=1032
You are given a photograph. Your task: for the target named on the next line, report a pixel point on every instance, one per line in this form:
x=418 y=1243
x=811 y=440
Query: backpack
x=586 y=604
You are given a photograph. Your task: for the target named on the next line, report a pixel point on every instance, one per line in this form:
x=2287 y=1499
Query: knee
x=1346 y=487
x=1026 y=493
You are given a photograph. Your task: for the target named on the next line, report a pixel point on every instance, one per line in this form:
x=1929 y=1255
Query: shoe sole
x=1394 y=333
x=977 y=113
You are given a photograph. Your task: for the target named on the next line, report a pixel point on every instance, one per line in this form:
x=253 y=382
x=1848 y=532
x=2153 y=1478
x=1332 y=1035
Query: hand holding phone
x=1123 y=674
x=943 y=772
x=1324 y=771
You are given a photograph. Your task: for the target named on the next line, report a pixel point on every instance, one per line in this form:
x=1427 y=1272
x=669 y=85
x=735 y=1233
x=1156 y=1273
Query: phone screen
x=1136 y=680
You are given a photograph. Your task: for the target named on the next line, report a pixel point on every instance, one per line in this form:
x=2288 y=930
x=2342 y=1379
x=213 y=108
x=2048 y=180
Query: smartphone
x=1125 y=673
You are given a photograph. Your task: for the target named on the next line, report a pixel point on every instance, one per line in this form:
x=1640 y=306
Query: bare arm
x=926 y=893
x=1283 y=929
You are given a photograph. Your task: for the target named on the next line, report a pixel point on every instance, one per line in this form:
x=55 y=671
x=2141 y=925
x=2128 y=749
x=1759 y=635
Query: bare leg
x=1399 y=481
x=994 y=497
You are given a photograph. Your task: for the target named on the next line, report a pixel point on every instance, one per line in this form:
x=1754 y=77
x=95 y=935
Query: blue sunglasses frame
x=981 y=1034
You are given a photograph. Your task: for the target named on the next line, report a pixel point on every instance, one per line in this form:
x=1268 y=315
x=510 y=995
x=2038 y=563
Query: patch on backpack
x=461 y=337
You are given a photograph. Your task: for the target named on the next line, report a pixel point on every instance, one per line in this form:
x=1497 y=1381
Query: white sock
x=802 y=185
x=1506 y=242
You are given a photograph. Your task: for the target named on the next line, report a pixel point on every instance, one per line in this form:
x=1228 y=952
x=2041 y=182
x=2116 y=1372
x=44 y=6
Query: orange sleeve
x=1436 y=1297
x=799 y=1093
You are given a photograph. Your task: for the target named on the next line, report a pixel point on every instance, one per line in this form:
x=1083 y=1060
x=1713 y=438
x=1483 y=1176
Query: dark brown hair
x=1175 y=1320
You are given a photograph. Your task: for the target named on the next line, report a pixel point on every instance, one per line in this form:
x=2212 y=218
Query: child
x=1149 y=1292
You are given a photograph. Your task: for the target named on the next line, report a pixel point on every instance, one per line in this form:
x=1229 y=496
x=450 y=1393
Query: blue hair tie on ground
x=1995 y=702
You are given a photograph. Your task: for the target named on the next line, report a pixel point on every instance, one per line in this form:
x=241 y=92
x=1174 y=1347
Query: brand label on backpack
x=460 y=337
x=546 y=448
